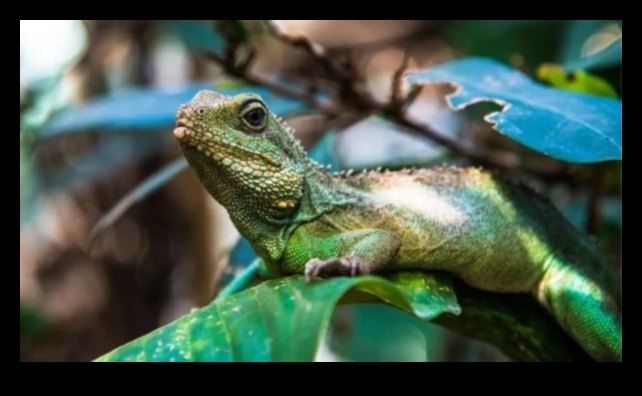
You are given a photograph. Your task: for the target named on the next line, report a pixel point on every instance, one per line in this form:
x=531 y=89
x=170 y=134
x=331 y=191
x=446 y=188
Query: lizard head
x=240 y=150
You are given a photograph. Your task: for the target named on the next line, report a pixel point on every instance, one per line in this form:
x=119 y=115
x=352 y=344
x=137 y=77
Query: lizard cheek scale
x=493 y=233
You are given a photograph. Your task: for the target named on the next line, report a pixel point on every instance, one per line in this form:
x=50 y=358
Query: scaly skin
x=494 y=234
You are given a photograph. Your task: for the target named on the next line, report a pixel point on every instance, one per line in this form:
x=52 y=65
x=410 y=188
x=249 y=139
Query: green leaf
x=515 y=323
x=285 y=319
x=400 y=337
x=565 y=125
x=282 y=319
x=578 y=80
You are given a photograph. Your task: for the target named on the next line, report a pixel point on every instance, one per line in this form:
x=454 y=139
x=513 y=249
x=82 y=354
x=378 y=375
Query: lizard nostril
x=183 y=118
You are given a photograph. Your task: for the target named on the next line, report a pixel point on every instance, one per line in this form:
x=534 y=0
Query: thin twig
x=397 y=83
x=319 y=53
x=307 y=96
x=144 y=189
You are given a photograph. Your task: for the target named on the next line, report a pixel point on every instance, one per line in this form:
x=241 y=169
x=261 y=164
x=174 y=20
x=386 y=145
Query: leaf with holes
x=569 y=126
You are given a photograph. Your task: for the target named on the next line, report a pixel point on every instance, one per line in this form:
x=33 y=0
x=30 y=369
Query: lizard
x=493 y=233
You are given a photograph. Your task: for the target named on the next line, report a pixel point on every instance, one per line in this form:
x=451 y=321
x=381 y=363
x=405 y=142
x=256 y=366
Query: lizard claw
x=347 y=266
x=312 y=269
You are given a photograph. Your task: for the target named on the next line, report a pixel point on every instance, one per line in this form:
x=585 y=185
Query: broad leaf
x=149 y=109
x=565 y=125
x=282 y=319
x=399 y=337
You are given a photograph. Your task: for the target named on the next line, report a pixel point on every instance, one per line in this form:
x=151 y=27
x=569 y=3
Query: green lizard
x=300 y=218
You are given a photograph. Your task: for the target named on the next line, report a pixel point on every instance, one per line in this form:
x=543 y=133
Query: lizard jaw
x=188 y=137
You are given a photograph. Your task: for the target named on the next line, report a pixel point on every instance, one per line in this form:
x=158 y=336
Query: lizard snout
x=183 y=122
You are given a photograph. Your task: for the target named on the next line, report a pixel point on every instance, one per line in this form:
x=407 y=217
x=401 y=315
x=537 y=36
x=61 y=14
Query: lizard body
x=494 y=234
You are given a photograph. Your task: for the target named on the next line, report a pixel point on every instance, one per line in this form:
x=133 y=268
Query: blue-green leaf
x=198 y=35
x=565 y=125
x=576 y=52
x=608 y=56
x=149 y=109
x=282 y=319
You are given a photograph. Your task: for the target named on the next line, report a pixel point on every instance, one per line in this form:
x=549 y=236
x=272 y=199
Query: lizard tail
x=586 y=311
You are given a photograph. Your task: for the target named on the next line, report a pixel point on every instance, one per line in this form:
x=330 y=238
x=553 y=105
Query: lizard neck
x=322 y=192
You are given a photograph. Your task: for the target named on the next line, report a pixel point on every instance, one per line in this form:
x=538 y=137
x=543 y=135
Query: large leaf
x=515 y=323
x=565 y=125
x=149 y=109
x=282 y=319
x=399 y=337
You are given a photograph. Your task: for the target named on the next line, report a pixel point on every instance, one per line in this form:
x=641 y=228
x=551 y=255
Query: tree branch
x=354 y=98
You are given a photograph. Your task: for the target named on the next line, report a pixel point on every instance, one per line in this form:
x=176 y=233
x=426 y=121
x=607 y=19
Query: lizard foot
x=347 y=266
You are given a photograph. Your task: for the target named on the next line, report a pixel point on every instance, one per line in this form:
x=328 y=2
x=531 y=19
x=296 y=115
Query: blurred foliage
x=576 y=80
x=94 y=78
x=149 y=109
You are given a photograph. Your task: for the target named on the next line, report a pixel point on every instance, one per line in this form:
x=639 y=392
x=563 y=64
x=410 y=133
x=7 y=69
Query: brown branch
x=319 y=53
x=307 y=96
x=361 y=101
x=396 y=101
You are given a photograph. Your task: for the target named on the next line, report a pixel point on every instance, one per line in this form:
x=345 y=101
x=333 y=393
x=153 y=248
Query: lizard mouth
x=182 y=130
x=189 y=137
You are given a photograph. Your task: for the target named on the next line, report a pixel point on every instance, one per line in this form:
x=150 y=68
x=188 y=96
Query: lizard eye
x=255 y=118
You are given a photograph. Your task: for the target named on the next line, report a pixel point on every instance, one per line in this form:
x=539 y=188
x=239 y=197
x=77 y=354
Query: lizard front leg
x=350 y=253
